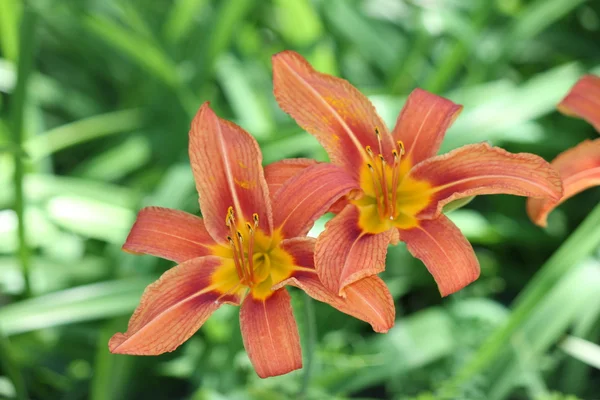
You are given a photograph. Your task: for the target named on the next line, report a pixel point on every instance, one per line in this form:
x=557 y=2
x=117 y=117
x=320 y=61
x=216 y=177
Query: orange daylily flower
x=249 y=245
x=403 y=184
x=579 y=167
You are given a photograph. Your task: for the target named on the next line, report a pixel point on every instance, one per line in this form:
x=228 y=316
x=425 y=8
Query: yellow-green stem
x=18 y=101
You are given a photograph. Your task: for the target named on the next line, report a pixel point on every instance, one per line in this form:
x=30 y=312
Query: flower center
x=242 y=245
x=385 y=178
x=390 y=199
x=254 y=260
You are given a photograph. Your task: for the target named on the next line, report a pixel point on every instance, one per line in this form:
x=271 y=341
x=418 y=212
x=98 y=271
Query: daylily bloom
x=403 y=184
x=579 y=167
x=249 y=245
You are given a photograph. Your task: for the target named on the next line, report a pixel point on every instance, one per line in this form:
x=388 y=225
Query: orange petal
x=445 y=252
x=330 y=108
x=367 y=299
x=482 y=169
x=583 y=100
x=579 y=168
x=270 y=334
x=279 y=172
x=345 y=254
x=226 y=162
x=307 y=196
x=171 y=234
x=172 y=309
x=422 y=124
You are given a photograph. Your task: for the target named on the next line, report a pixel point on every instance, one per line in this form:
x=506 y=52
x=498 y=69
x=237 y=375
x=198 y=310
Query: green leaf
x=84 y=303
x=82 y=131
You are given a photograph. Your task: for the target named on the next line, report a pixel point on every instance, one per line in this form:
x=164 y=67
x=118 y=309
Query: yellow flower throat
x=254 y=260
x=390 y=198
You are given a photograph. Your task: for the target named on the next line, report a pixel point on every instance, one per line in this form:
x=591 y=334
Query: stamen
x=375 y=187
x=401 y=146
x=233 y=289
x=384 y=185
x=236 y=259
x=379 y=141
x=240 y=243
x=250 y=250
x=370 y=152
x=395 y=175
x=244 y=262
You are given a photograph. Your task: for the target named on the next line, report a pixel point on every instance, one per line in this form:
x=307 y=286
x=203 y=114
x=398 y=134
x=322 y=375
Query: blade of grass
x=310 y=344
x=10 y=15
x=574 y=378
x=544 y=327
x=457 y=55
x=230 y=16
x=10 y=367
x=134 y=46
x=248 y=104
x=83 y=303
x=181 y=18
x=531 y=21
x=82 y=131
x=583 y=242
x=582 y=350
x=18 y=103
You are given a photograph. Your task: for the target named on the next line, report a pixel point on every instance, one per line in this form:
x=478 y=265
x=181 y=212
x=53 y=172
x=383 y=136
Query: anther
x=255 y=218
x=249 y=227
x=369 y=152
x=229 y=219
x=401 y=146
x=379 y=141
x=240 y=236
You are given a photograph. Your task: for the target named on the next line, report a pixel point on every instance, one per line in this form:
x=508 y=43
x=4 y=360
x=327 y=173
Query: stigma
x=241 y=241
x=379 y=169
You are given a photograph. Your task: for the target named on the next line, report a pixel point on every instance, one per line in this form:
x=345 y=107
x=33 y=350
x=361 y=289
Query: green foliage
x=95 y=103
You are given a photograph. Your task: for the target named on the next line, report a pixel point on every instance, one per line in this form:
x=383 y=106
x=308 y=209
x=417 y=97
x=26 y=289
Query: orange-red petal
x=226 y=162
x=579 y=169
x=335 y=112
x=445 y=252
x=171 y=234
x=422 y=124
x=307 y=196
x=583 y=100
x=482 y=169
x=270 y=334
x=367 y=299
x=279 y=172
x=172 y=309
x=344 y=254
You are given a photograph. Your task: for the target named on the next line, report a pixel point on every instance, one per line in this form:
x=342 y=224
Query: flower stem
x=25 y=64
x=11 y=368
x=581 y=244
x=310 y=344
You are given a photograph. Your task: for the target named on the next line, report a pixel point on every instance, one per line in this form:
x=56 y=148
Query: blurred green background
x=96 y=97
